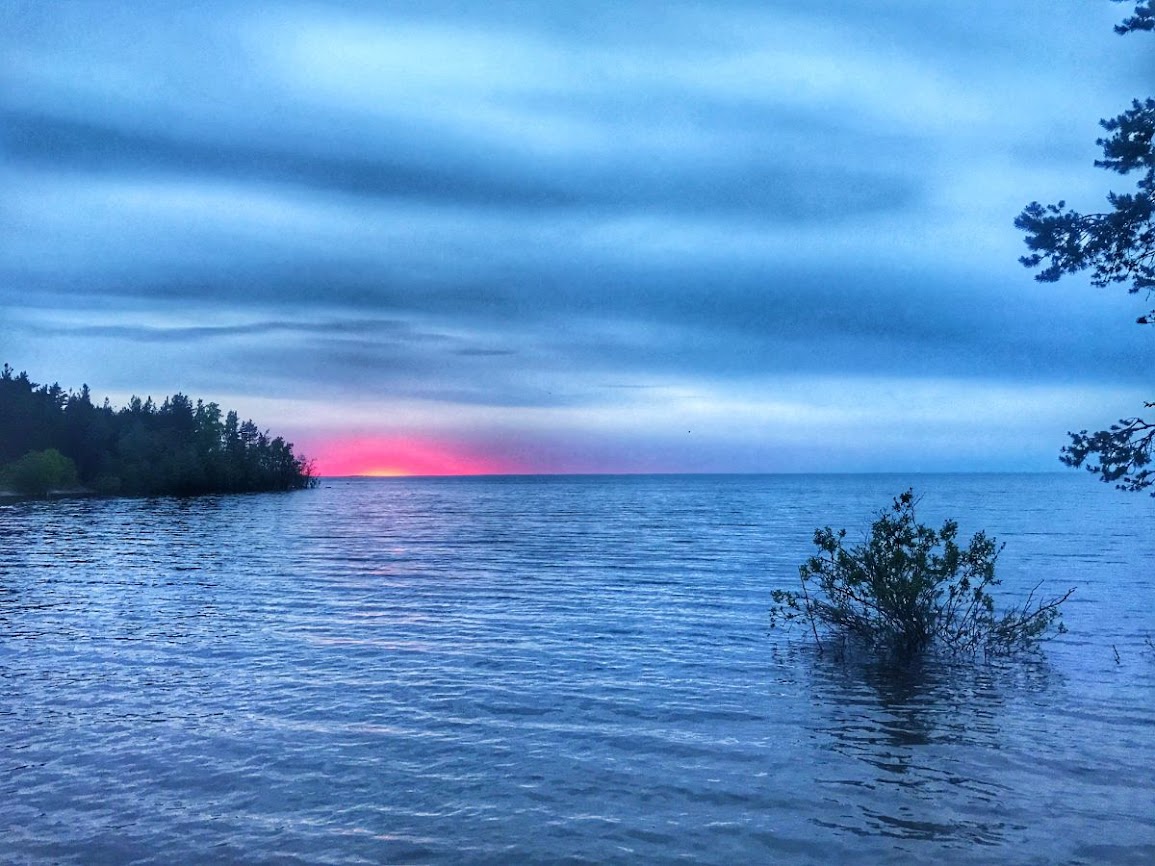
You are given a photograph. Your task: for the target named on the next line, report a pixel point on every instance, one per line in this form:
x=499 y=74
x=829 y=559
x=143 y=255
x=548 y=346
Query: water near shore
x=545 y=670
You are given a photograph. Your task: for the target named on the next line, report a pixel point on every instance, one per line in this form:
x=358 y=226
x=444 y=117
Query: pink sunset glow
x=400 y=456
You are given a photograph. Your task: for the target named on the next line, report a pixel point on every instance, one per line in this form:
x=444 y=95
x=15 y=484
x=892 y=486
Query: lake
x=556 y=670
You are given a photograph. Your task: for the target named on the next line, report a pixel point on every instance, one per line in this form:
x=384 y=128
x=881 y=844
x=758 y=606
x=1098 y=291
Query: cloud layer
x=565 y=232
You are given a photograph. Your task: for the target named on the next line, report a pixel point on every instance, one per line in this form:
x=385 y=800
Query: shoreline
x=67 y=493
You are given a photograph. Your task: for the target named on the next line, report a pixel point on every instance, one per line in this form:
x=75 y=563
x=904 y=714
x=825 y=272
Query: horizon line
x=397 y=477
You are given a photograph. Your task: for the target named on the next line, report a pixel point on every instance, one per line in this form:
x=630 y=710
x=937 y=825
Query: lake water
x=549 y=670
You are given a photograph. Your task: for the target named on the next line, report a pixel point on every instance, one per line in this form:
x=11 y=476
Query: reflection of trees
x=913 y=749
x=64 y=560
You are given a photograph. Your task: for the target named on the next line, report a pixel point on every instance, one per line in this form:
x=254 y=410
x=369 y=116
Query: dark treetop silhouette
x=1118 y=246
x=180 y=447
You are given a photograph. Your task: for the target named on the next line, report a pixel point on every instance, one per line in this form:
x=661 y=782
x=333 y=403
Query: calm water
x=554 y=670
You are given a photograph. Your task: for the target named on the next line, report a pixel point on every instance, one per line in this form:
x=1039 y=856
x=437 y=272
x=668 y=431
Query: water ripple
x=552 y=670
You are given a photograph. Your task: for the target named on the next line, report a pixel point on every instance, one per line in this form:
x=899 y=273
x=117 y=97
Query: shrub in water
x=909 y=588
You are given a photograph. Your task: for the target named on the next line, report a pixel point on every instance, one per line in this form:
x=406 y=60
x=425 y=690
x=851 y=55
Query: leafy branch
x=1143 y=19
x=1120 y=454
x=1116 y=246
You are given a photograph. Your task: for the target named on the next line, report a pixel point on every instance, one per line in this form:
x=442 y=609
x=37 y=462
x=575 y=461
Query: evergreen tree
x=1116 y=246
x=180 y=447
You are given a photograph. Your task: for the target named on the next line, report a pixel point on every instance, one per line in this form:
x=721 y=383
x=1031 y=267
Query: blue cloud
x=538 y=205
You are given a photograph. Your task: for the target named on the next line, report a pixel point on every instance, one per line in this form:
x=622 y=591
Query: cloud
x=740 y=182
x=539 y=207
x=197 y=333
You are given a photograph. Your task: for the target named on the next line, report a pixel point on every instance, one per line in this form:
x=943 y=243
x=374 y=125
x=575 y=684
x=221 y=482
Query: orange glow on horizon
x=401 y=456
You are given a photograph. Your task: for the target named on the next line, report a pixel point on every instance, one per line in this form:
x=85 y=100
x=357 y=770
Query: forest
x=52 y=439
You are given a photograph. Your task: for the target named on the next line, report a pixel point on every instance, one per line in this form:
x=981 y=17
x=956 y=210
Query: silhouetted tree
x=1117 y=246
x=181 y=447
x=1143 y=19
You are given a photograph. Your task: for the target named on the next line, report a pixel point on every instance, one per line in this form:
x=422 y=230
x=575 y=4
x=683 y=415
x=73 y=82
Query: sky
x=445 y=237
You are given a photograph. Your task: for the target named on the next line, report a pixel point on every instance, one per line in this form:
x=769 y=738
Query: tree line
x=51 y=438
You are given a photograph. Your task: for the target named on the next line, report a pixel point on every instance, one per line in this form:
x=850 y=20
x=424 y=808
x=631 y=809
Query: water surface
x=542 y=670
